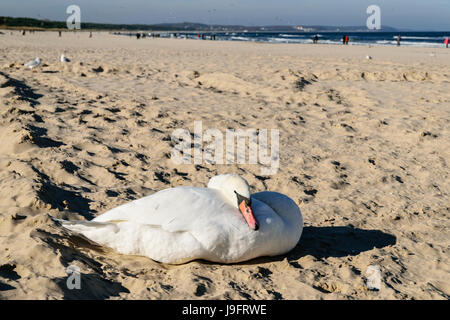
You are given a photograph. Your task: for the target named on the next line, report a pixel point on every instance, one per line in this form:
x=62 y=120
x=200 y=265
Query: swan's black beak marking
x=244 y=205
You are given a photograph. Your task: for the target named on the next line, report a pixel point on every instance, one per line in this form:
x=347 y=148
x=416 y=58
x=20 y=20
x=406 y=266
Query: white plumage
x=33 y=63
x=64 y=59
x=181 y=224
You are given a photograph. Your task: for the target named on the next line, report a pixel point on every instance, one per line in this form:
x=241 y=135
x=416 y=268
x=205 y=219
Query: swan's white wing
x=201 y=212
x=174 y=226
x=175 y=209
x=139 y=239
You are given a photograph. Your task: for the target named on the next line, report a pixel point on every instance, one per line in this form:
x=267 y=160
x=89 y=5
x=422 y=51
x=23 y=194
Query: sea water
x=417 y=39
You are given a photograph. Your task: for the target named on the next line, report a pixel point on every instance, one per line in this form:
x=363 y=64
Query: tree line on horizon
x=12 y=22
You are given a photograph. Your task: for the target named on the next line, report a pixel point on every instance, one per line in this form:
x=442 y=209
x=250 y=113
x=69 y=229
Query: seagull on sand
x=64 y=59
x=33 y=63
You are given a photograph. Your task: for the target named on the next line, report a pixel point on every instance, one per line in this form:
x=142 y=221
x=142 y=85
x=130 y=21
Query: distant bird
x=64 y=59
x=368 y=57
x=33 y=63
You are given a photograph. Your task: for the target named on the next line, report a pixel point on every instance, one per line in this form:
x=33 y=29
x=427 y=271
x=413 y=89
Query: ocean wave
x=430 y=41
x=412 y=43
x=284 y=40
x=303 y=36
x=330 y=41
x=421 y=38
x=241 y=38
x=290 y=35
x=280 y=40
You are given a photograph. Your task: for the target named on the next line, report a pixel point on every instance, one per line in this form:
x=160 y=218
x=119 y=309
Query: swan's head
x=237 y=191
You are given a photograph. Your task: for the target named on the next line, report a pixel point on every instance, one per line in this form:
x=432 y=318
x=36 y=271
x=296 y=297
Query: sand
x=364 y=151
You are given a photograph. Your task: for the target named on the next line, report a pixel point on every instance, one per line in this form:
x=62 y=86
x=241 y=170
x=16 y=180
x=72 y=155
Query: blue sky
x=412 y=14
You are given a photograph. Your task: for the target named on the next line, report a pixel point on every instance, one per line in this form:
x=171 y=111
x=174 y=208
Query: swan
x=221 y=223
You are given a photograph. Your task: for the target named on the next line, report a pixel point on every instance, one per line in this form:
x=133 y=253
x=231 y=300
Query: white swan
x=220 y=223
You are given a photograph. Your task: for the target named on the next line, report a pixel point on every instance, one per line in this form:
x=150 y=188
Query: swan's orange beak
x=247 y=212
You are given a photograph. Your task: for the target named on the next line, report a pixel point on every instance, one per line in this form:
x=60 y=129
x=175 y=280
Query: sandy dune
x=364 y=150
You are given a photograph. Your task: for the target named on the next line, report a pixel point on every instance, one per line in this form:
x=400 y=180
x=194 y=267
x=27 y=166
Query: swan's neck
x=230 y=197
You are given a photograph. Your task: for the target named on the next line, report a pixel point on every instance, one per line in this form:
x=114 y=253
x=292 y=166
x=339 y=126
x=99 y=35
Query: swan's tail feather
x=86 y=227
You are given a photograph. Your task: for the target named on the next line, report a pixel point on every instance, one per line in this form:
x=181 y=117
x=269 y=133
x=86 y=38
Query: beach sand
x=364 y=151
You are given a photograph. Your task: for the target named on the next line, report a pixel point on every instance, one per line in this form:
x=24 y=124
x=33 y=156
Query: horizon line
x=403 y=29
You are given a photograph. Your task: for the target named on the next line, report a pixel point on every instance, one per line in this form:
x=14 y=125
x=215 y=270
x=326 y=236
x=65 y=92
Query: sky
x=406 y=14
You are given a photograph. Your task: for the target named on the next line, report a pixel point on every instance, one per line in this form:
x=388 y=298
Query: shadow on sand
x=325 y=242
x=94 y=285
x=25 y=92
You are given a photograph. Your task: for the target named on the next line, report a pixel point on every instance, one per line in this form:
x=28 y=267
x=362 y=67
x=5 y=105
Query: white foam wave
x=284 y=40
x=240 y=38
x=420 y=38
x=290 y=35
x=412 y=43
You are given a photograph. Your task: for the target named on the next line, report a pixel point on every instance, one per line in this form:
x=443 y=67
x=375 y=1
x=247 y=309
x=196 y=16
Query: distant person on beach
x=90 y=34
x=59 y=33
x=316 y=39
x=138 y=35
x=446 y=41
x=345 y=39
x=399 y=38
